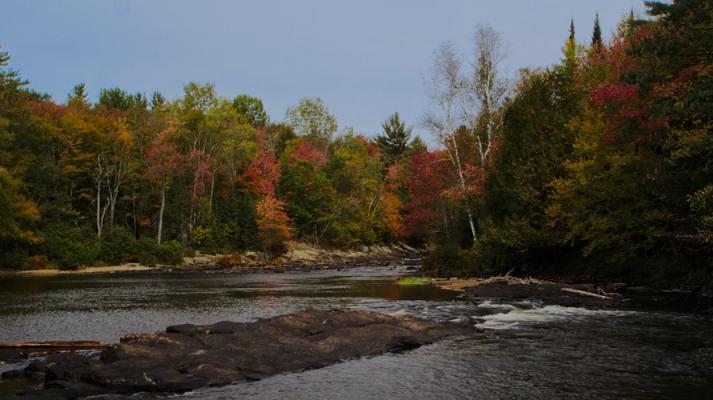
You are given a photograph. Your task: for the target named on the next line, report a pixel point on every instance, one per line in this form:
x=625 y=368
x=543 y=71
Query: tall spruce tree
x=78 y=96
x=597 y=42
x=394 y=141
x=570 y=51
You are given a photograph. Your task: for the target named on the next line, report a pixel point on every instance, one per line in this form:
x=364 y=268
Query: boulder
x=188 y=357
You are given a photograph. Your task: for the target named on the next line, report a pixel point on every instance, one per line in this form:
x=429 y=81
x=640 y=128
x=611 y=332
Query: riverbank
x=130 y=267
x=299 y=257
x=616 y=294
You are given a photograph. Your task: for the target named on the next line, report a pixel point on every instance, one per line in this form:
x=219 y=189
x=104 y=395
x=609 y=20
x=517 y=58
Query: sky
x=366 y=59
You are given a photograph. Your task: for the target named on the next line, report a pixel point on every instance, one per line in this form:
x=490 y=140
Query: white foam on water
x=513 y=318
x=496 y=325
x=490 y=304
x=399 y=313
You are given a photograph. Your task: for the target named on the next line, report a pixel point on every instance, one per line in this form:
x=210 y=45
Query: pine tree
x=630 y=23
x=570 y=51
x=9 y=79
x=394 y=141
x=597 y=42
x=157 y=100
x=78 y=96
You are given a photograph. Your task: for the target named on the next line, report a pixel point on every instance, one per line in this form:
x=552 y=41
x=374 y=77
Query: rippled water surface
x=520 y=350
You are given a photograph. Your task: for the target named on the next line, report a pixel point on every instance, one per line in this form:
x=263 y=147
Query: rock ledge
x=188 y=357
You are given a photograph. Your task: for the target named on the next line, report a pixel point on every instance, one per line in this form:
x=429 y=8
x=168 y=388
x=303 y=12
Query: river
x=521 y=350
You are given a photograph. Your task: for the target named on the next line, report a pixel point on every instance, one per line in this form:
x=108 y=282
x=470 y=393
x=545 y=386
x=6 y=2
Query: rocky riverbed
x=300 y=257
x=187 y=357
x=596 y=296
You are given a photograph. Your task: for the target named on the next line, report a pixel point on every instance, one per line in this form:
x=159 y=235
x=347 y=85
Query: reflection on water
x=104 y=307
x=524 y=350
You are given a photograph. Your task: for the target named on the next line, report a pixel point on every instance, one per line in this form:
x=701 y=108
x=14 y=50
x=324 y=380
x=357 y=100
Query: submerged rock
x=188 y=357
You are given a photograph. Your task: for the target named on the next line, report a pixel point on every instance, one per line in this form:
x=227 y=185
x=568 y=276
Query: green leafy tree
x=311 y=118
x=355 y=171
x=16 y=211
x=119 y=99
x=252 y=110
x=535 y=144
x=308 y=193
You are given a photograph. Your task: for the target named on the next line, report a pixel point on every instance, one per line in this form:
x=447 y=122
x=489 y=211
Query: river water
x=520 y=350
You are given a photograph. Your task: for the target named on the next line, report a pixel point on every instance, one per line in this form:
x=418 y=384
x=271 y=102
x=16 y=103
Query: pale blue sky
x=365 y=58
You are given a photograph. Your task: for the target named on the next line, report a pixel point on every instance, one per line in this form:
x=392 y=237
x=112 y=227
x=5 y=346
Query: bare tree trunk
x=449 y=92
x=98 y=180
x=134 y=226
x=192 y=215
x=488 y=90
x=99 y=201
x=468 y=100
x=160 y=214
x=212 y=189
x=445 y=220
x=114 y=186
x=463 y=188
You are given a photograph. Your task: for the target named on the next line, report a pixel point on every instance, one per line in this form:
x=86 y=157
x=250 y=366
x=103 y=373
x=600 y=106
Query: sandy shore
x=92 y=270
x=300 y=257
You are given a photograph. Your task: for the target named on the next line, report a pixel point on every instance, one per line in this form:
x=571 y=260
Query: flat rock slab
x=188 y=357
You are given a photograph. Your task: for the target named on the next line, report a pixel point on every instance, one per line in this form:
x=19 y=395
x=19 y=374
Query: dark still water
x=522 y=350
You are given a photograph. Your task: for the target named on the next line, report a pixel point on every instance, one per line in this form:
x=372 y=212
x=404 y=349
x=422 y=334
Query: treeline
x=133 y=178
x=601 y=165
x=604 y=163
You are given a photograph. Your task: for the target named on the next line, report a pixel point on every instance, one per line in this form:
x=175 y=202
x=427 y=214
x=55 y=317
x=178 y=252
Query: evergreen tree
x=78 y=96
x=157 y=100
x=394 y=141
x=9 y=79
x=597 y=35
x=119 y=99
x=570 y=51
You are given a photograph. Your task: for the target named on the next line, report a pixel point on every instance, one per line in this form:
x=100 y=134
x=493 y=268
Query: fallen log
x=60 y=344
x=462 y=284
x=587 y=294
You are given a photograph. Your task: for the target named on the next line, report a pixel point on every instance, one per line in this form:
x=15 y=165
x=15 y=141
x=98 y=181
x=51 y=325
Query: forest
x=601 y=165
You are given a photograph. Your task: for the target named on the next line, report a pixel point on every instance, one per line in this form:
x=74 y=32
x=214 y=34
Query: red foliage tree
x=162 y=160
x=273 y=225
x=427 y=180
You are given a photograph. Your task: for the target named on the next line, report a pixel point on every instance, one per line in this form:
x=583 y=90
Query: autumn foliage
x=600 y=164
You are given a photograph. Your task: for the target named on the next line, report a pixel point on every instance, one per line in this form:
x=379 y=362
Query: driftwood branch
x=66 y=345
x=585 y=293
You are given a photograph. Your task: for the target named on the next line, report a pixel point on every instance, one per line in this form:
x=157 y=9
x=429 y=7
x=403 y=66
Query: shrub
x=68 y=246
x=449 y=260
x=38 y=262
x=119 y=246
x=230 y=260
x=414 y=281
x=13 y=259
x=147 y=251
x=172 y=252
